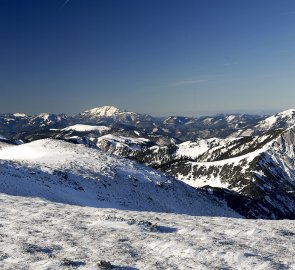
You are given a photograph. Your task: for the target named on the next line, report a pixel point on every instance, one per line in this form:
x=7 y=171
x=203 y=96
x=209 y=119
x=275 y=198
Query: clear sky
x=151 y=56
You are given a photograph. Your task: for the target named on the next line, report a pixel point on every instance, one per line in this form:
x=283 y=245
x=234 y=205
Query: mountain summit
x=104 y=111
x=282 y=119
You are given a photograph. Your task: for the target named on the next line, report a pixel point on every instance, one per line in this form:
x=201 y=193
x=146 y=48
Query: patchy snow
x=118 y=145
x=85 y=128
x=44 y=116
x=38 y=234
x=122 y=139
x=230 y=118
x=195 y=149
x=214 y=178
x=192 y=149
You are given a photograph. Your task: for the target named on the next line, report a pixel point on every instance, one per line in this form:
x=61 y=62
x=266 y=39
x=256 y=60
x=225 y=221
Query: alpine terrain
x=113 y=189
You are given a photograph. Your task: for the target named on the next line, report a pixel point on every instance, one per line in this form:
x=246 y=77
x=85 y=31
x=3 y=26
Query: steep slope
x=75 y=174
x=284 y=119
x=262 y=169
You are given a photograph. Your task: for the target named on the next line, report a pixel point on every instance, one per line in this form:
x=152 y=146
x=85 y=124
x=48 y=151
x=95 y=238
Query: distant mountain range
x=245 y=161
x=177 y=127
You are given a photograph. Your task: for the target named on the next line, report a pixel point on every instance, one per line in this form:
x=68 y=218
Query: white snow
x=214 y=179
x=38 y=234
x=85 y=128
x=192 y=149
x=287 y=116
x=19 y=115
x=230 y=118
x=195 y=149
x=122 y=139
x=70 y=173
x=44 y=116
x=104 y=111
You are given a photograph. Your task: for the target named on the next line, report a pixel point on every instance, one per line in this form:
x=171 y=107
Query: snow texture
x=38 y=234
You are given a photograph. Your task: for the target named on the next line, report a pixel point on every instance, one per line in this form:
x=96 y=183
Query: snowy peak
x=287 y=113
x=283 y=119
x=104 y=111
x=20 y=115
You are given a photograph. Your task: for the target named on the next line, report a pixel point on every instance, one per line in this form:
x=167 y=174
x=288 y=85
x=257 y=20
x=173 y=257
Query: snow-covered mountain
x=284 y=119
x=261 y=168
x=248 y=164
x=30 y=127
x=111 y=114
x=105 y=111
x=76 y=174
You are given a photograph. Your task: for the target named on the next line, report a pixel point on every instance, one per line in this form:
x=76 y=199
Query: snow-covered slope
x=261 y=168
x=198 y=148
x=104 y=111
x=120 y=145
x=46 y=120
x=86 y=128
x=111 y=114
x=38 y=234
x=75 y=174
x=284 y=119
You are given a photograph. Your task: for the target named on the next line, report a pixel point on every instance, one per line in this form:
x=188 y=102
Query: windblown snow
x=38 y=234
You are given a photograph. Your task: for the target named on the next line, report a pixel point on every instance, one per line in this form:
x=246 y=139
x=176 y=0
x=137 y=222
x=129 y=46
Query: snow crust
x=38 y=234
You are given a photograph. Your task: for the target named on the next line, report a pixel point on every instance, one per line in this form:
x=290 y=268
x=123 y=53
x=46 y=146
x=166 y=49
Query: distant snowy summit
x=104 y=111
x=110 y=113
x=284 y=119
x=280 y=120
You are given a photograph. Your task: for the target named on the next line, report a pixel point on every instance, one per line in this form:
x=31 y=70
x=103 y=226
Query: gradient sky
x=152 y=56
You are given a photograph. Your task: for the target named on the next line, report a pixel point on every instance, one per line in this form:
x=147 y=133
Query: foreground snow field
x=38 y=234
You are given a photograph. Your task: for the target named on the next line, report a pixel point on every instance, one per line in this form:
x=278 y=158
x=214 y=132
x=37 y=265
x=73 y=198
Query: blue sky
x=154 y=56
